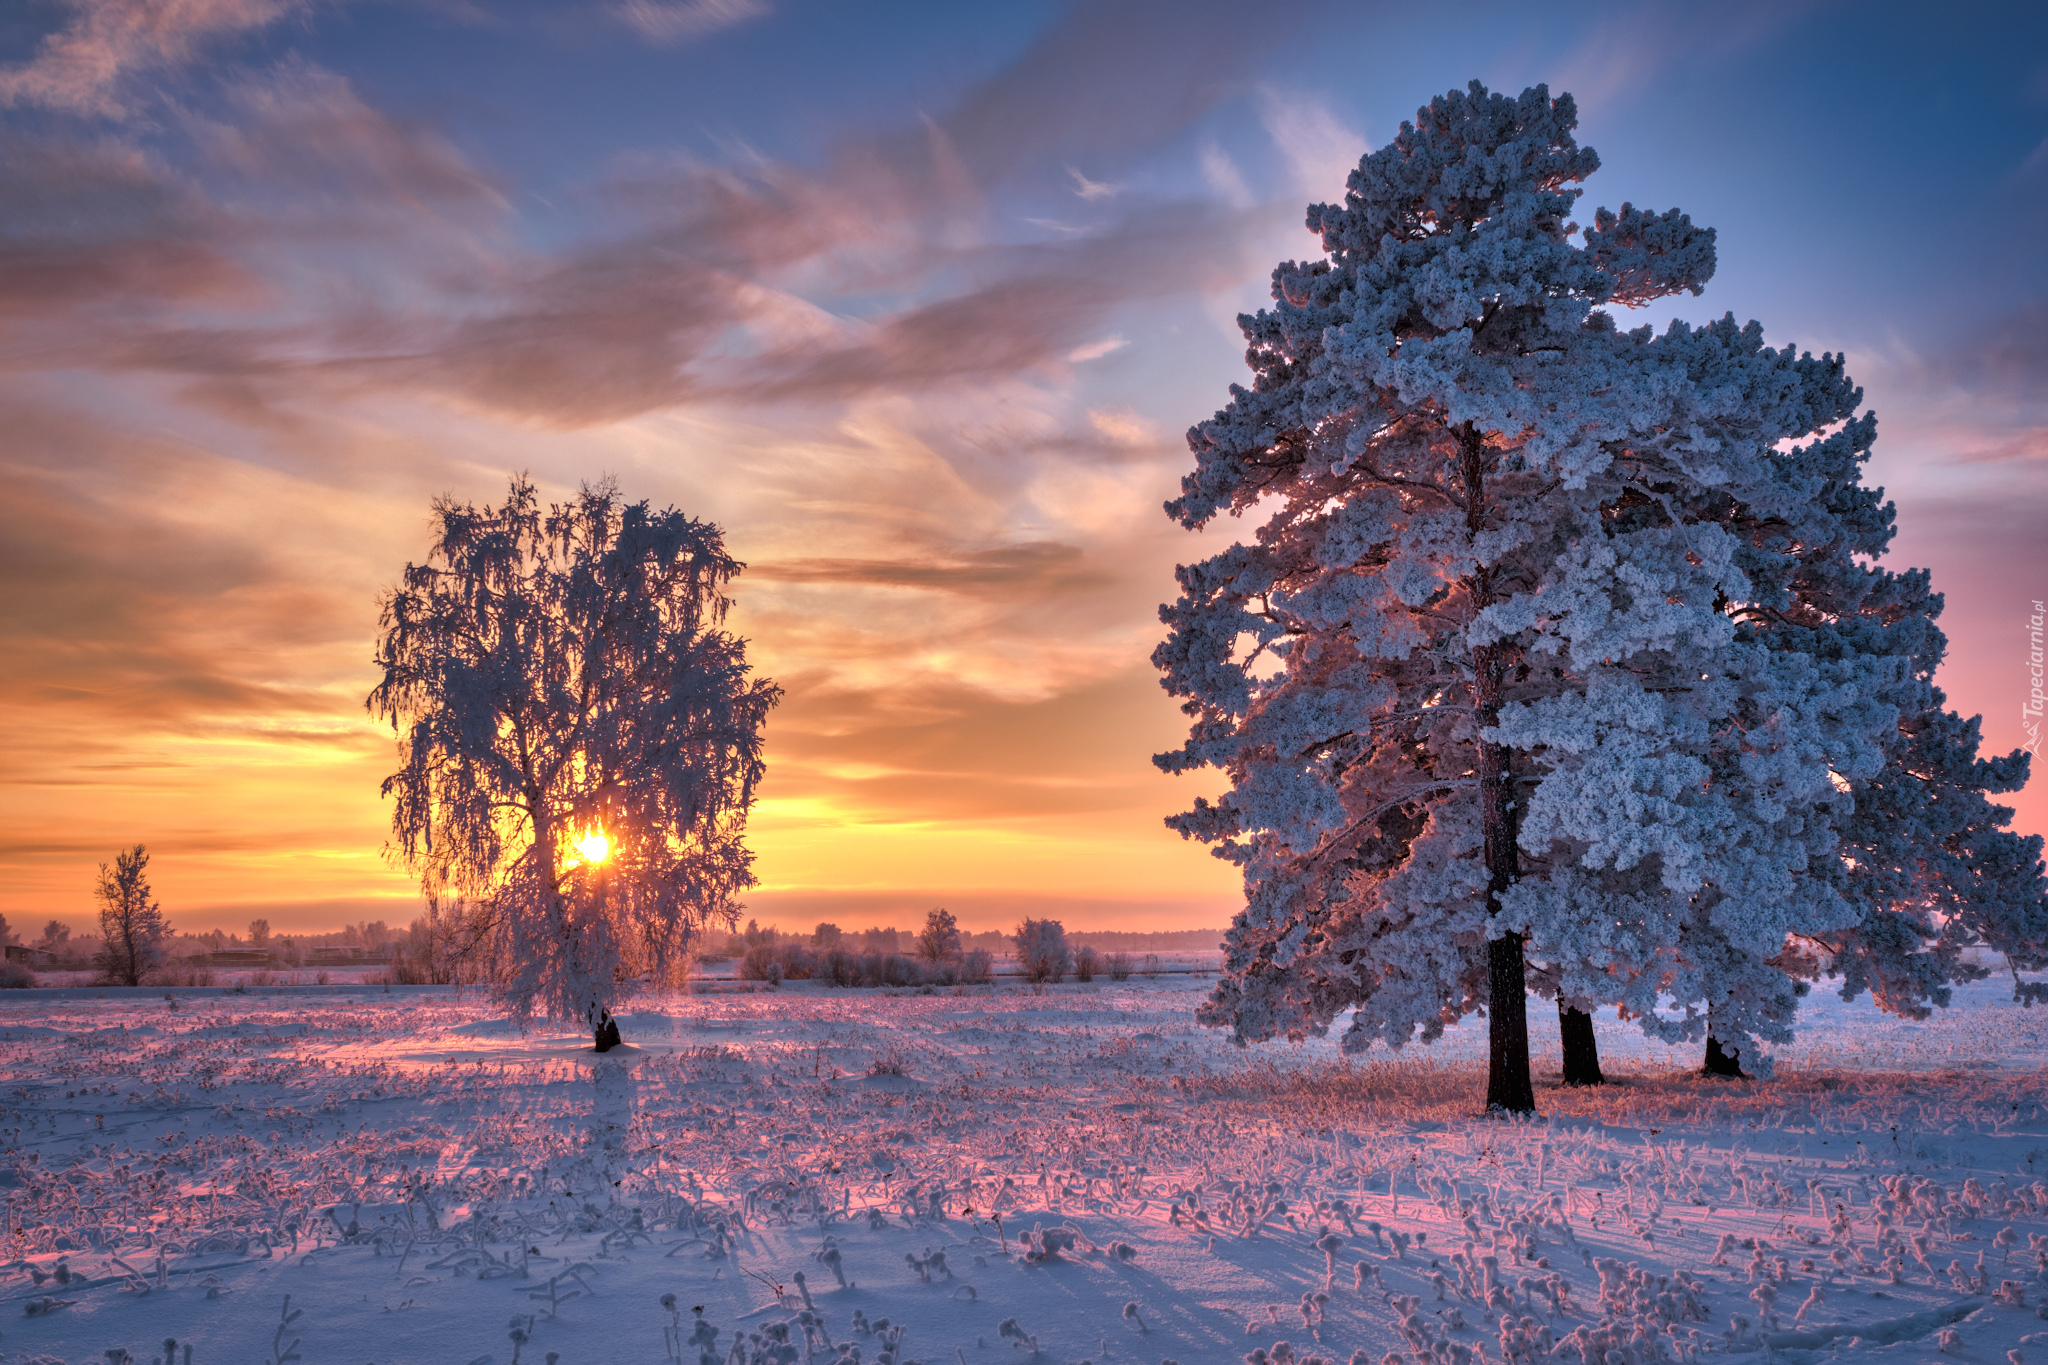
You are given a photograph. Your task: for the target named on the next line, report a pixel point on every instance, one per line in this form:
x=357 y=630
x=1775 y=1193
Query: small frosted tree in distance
x=131 y=922
x=1042 y=950
x=259 y=933
x=580 y=741
x=940 y=937
x=1558 y=658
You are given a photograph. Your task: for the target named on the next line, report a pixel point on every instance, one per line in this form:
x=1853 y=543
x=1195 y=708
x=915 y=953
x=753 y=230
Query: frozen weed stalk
x=282 y=1353
x=520 y=1332
x=1329 y=1244
x=672 y=1333
x=829 y=1254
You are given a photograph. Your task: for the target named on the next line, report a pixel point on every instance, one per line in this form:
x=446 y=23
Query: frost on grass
x=1082 y=1163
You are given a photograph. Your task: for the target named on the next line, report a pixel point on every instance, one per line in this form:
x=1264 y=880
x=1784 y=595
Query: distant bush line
x=1174 y=941
x=791 y=961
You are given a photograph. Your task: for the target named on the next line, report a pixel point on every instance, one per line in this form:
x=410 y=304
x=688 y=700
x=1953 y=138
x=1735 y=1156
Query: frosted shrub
x=1042 y=950
x=1009 y=1331
x=975 y=965
x=432 y=951
x=897 y=970
x=1086 y=963
x=14 y=976
x=1046 y=1244
x=1118 y=966
x=703 y=1335
x=931 y=1263
x=849 y=969
x=787 y=961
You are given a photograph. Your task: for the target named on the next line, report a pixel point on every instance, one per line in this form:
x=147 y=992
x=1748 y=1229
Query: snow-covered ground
x=1080 y=1172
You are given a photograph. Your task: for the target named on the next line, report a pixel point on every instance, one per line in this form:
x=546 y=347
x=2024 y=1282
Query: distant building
x=345 y=955
x=32 y=958
x=238 y=957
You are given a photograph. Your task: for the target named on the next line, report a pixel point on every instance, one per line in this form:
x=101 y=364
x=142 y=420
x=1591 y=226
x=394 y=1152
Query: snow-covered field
x=976 y=1176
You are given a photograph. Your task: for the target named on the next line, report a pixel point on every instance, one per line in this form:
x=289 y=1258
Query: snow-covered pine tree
x=1814 y=620
x=580 y=740
x=1926 y=856
x=1503 y=686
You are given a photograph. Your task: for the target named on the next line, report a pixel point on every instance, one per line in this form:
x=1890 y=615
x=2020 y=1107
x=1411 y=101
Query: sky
x=916 y=302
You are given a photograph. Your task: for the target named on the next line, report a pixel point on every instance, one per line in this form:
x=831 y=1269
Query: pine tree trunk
x=1723 y=1063
x=1581 y=1049
x=1509 y=1087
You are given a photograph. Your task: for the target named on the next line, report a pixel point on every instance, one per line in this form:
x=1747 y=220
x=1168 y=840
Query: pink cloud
x=86 y=66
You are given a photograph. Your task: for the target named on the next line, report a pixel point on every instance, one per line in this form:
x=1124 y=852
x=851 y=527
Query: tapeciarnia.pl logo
x=2030 y=712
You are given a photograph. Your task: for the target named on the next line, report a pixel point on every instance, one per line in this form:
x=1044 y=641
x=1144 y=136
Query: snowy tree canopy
x=1558 y=638
x=580 y=741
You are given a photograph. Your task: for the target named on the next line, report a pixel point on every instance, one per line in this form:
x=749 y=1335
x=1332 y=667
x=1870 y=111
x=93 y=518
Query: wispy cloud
x=1224 y=178
x=722 y=287
x=96 y=221
x=1629 y=51
x=87 y=66
x=308 y=144
x=675 y=21
x=1092 y=189
x=1006 y=571
x=1095 y=350
x=1318 y=147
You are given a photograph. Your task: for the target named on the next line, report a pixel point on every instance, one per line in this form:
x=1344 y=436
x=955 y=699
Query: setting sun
x=594 y=847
